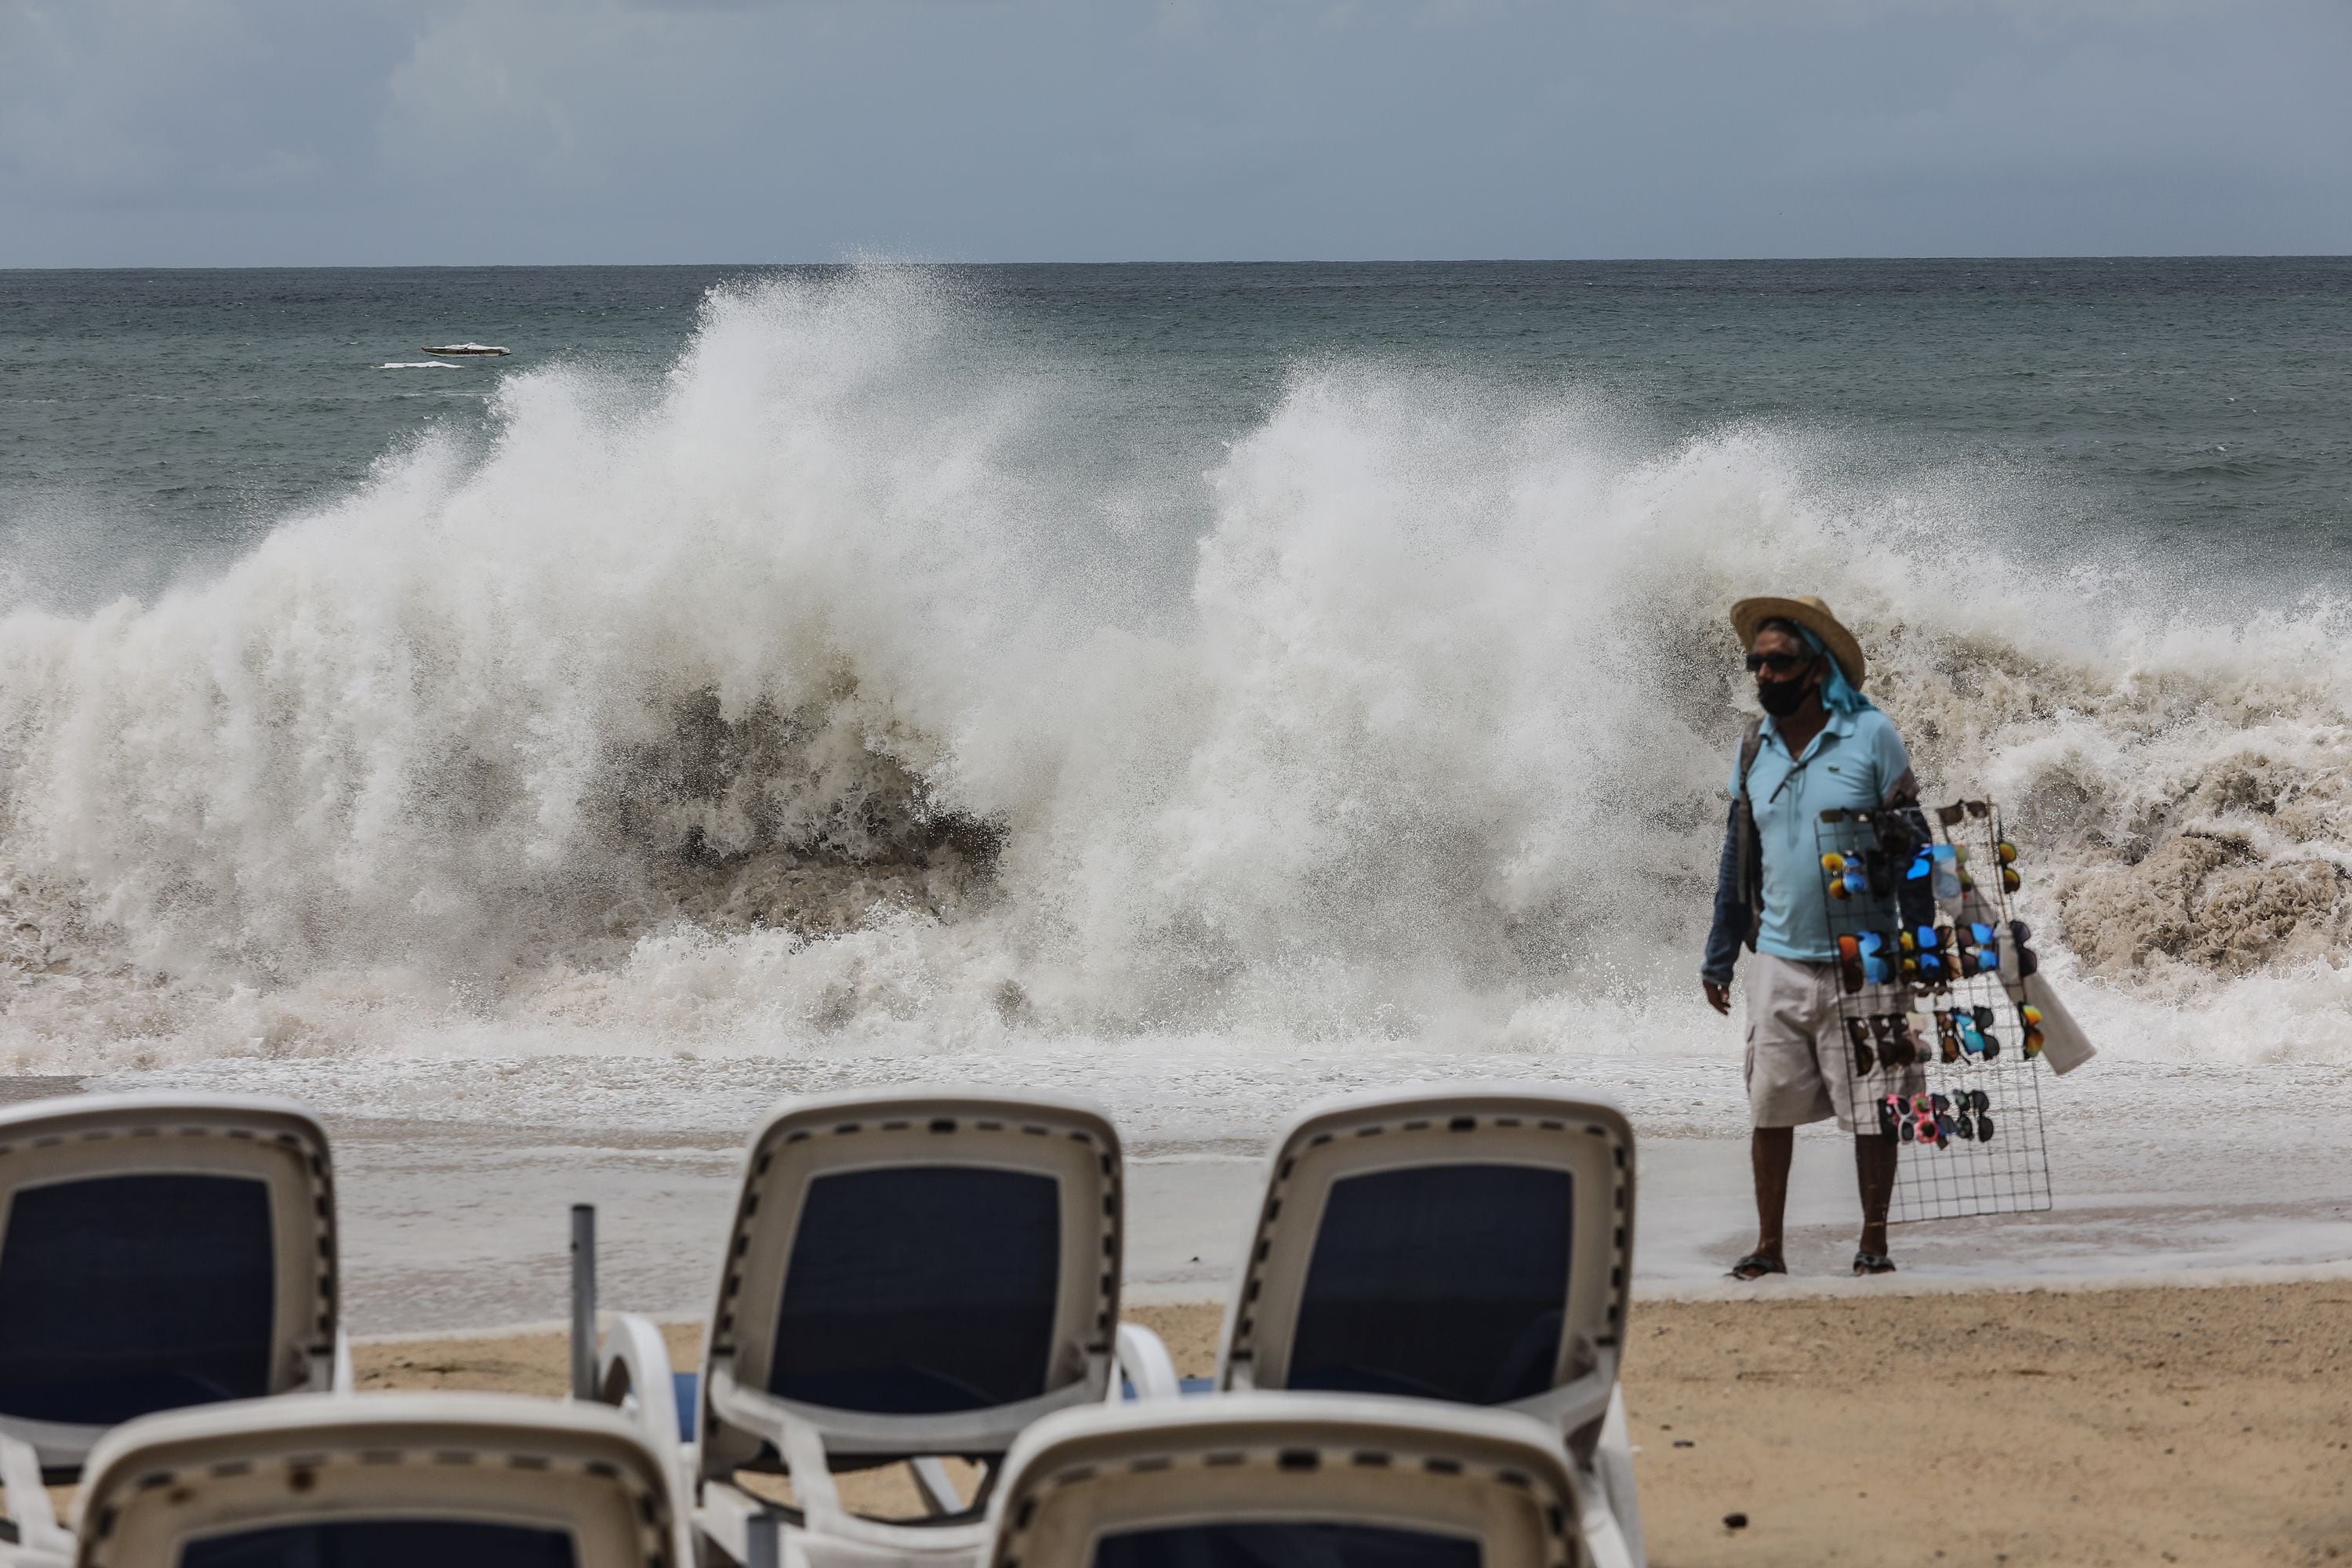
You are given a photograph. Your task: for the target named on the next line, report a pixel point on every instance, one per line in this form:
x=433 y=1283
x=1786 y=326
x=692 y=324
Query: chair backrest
x=1262 y=1481
x=158 y=1251
x=379 y=1480
x=1472 y=1245
x=915 y=1273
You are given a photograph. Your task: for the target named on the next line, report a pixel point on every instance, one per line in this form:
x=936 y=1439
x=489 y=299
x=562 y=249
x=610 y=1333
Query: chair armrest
x=40 y=1539
x=1578 y=1407
x=799 y=1447
x=1612 y=1466
x=633 y=1373
x=1143 y=1361
x=344 y=1379
x=823 y=1516
x=1604 y=1539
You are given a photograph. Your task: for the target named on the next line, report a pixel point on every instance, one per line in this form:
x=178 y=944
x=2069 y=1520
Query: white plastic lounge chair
x=1269 y=1480
x=1473 y=1244
x=156 y=1252
x=908 y=1276
x=379 y=1480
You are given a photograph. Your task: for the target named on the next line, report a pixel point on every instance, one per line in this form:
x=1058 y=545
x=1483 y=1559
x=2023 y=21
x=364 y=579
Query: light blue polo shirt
x=1852 y=763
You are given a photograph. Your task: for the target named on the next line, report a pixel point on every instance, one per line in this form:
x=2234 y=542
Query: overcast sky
x=147 y=133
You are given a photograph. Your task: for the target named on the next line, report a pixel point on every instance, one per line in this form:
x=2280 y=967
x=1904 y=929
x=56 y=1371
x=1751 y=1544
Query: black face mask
x=1781 y=697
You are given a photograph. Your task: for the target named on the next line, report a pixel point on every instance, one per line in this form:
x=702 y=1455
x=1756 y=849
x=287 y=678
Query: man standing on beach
x=1821 y=746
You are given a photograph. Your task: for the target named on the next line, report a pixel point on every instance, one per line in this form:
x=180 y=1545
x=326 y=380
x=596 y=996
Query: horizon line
x=841 y=264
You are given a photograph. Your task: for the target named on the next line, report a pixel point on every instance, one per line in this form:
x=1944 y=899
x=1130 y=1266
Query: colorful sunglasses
x=1848 y=878
x=1950 y=816
x=2031 y=1017
x=1923 y=957
x=1947 y=1039
x=1984 y=1032
x=1940 y=866
x=1971 y=1038
x=1910 y=1119
x=1867 y=958
x=1977 y=947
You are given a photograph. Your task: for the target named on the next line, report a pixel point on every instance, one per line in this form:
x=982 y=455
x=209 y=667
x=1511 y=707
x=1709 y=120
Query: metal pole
x=583 y=1300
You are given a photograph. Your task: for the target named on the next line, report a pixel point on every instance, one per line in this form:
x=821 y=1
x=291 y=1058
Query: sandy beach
x=2208 y=1425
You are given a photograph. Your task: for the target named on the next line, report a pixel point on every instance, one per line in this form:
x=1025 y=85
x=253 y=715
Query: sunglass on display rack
x=1879 y=957
x=1915 y=1119
x=1984 y=1017
x=1867 y=958
x=1865 y=1061
x=1933 y=956
x=1855 y=874
x=1922 y=952
x=1967 y=1031
x=1946 y=862
x=1896 y=1043
x=1849 y=876
x=1937 y=1118
x=1897 y=1046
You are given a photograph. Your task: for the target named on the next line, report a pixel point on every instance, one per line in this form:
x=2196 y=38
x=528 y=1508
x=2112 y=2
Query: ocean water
x=1196 y=687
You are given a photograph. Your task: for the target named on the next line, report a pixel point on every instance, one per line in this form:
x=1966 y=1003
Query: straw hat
x=1808 y=611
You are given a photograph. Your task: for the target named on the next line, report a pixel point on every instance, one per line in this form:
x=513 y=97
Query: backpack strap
x=1751 y=742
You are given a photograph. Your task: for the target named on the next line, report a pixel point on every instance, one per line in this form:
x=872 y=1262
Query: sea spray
x=796 y=701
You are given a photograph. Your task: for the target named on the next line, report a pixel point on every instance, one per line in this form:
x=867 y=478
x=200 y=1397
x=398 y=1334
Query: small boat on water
x=467 y=348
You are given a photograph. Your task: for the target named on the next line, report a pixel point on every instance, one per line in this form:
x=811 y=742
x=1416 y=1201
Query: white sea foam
x=780 y=708
x=416 y=364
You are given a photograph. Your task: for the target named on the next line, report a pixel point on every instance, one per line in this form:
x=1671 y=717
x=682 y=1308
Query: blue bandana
x=1838 y=694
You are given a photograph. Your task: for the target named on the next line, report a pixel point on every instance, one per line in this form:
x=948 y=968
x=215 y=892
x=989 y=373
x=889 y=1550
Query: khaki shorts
x=1800 y=1067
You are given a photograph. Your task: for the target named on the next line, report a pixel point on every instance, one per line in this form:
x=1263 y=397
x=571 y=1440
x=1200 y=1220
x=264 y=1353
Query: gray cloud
x=152 y=132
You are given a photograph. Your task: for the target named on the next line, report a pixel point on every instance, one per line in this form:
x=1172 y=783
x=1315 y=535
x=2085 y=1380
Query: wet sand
x=454 y=1177
x=2208 y=1425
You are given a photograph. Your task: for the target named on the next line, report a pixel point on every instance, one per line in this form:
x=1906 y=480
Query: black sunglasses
x=1778 y=663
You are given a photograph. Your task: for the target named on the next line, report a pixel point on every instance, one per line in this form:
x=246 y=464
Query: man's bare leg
x=1769 y=1151
x=1873 y=1169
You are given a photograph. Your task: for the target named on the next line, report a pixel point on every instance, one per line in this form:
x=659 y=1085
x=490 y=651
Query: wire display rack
x=1940 y=1053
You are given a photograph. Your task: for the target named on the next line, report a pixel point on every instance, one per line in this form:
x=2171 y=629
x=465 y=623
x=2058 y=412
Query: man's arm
x=1730 y=923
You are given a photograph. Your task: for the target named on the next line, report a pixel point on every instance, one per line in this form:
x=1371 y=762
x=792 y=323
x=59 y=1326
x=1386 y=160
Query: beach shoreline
x=2133 y=1424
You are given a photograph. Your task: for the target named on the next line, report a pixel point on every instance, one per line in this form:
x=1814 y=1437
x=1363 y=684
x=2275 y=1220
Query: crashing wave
x=791 y=696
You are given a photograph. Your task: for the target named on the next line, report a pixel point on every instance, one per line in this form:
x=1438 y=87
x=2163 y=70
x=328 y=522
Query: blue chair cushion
x=383 y=1543
x=121 y=1296
x=1438 y=1282
x=1280 y=1545
x=921 y=1289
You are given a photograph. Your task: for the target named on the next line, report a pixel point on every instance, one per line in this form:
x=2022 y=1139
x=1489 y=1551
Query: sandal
x=1755 y=1266
x=1872 y=1263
